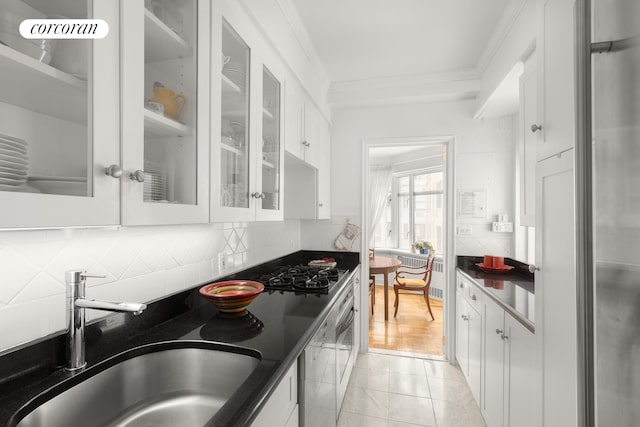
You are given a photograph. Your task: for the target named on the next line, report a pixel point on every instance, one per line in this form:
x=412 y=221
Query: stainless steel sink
x=168 y=384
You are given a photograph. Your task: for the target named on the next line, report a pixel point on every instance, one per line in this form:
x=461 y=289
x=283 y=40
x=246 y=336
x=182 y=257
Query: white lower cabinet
x=282 y=407
x=508 y=370
x=493 y=365
x=469 y=344
x=520 y=378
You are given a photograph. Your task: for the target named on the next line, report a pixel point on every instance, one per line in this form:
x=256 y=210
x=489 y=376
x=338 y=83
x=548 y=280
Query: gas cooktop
x=301 y=278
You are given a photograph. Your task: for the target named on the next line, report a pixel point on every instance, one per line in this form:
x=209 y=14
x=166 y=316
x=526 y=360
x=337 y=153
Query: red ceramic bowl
x=232 y=296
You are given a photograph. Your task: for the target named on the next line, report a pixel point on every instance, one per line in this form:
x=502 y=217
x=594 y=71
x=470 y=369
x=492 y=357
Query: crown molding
x=407 y=89
x=499 y=34
x=292 y=16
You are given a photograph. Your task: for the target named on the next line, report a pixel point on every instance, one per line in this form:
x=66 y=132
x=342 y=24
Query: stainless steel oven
x=345 y=343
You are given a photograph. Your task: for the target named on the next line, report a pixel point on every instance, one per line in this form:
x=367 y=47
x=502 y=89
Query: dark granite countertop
x=514 y=291
x=288 y=322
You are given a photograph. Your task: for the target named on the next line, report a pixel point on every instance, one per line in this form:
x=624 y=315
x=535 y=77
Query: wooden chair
x=402 y=282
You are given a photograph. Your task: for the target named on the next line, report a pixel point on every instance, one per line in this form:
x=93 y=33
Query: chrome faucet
x=76 y=304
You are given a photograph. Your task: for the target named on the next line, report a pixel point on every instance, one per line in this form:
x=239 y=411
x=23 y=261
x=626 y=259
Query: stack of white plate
x=154 y=188
x=14 y=163
x=236 y=73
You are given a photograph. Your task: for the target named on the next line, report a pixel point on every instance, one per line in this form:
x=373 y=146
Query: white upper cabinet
x=59 y=120
x=294 y=112
x=555 y=46
x=247 y=147
x=165 y=112
x=270 y=179
x=308 y=142
x=324 y=172
x=527 y=142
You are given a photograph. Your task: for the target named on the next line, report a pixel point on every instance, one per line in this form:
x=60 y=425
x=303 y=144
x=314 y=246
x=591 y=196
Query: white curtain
x=379 y=184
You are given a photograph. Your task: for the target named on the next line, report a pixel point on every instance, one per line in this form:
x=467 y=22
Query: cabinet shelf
x=267 y=114
x=268 y=164
x=229 y=87
x=39 y=87
x=161 y=42
x=156 y=125
x=234 y=150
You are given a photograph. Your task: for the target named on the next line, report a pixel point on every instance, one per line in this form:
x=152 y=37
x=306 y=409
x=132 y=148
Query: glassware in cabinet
x=234 y=132
x=59 y=123
x=271 y=141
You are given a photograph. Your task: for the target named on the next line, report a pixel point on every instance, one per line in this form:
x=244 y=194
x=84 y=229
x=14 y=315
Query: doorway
x=418 y=205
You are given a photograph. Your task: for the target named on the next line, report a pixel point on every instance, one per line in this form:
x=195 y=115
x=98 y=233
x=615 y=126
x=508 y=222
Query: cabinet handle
x=114 y=171
x=257 y=195
x=320 y=205
x=465 y=318
x=504 y=337
x=461 y=286
x=533 y=268
x=137 y=176
x=499 y=331
x=535 y=128
x=473 y=297
x=306 y=143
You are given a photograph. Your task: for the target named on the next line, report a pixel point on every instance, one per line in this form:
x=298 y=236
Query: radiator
x=436 y=288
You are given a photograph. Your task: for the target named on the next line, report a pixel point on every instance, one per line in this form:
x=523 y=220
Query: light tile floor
x=396 y=391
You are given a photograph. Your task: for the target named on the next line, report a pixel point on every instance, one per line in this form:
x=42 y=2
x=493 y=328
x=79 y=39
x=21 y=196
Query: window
x=415 y=211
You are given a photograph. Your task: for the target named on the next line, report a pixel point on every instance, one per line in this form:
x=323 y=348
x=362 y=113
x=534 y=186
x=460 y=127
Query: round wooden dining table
x=384 y=265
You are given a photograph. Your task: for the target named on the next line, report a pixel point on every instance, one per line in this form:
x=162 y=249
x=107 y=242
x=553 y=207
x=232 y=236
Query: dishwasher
x=325 y=364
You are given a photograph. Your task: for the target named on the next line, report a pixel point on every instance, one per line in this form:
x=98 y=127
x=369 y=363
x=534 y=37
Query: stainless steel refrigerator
x=615 y=181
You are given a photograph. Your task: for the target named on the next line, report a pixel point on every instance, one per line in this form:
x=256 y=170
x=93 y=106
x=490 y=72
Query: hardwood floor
x=412 y=330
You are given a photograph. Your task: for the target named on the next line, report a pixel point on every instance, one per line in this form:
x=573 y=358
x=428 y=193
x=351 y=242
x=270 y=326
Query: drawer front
x=469 y=292
x=474 y=297
x=462 y=285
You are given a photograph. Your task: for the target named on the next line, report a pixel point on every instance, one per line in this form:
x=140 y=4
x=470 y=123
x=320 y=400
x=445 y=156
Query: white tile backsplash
x=142 y=264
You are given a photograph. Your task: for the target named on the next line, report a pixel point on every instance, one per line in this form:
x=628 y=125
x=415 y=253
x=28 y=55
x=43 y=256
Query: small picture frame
x=472 y=203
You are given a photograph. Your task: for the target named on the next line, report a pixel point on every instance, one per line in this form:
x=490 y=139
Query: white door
x=59 y=125
x=493 y=365
x=270 y=176
x=520 y=360
x=527 y=143
x=555 y=46
x=165 y=119
x=556 y=325
x=475 y=353
x=462 y=333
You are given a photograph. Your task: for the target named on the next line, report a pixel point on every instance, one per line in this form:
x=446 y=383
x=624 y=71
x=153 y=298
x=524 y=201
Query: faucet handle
x=77 y=276
x=86 y=275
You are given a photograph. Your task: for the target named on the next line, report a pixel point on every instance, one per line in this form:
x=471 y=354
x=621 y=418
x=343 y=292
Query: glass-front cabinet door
x=235 y=129
x=247 y=150
x=270 y=178
x=59 y=120
x=165 y=111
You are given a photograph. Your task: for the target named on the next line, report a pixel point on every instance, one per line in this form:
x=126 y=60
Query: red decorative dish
x=232 y=296
x=502 y=269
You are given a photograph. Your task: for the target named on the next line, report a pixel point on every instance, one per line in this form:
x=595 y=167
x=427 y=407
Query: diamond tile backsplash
x=141 y=264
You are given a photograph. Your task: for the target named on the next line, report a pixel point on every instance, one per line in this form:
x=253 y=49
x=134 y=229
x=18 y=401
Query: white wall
x=142 y=264
x=483 y=154
x=515 y=45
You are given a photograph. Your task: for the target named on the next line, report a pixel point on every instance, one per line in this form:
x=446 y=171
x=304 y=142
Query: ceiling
x=375 y=39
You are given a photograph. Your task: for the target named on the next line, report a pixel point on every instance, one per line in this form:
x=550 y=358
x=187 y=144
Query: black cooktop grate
x=301 y=278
